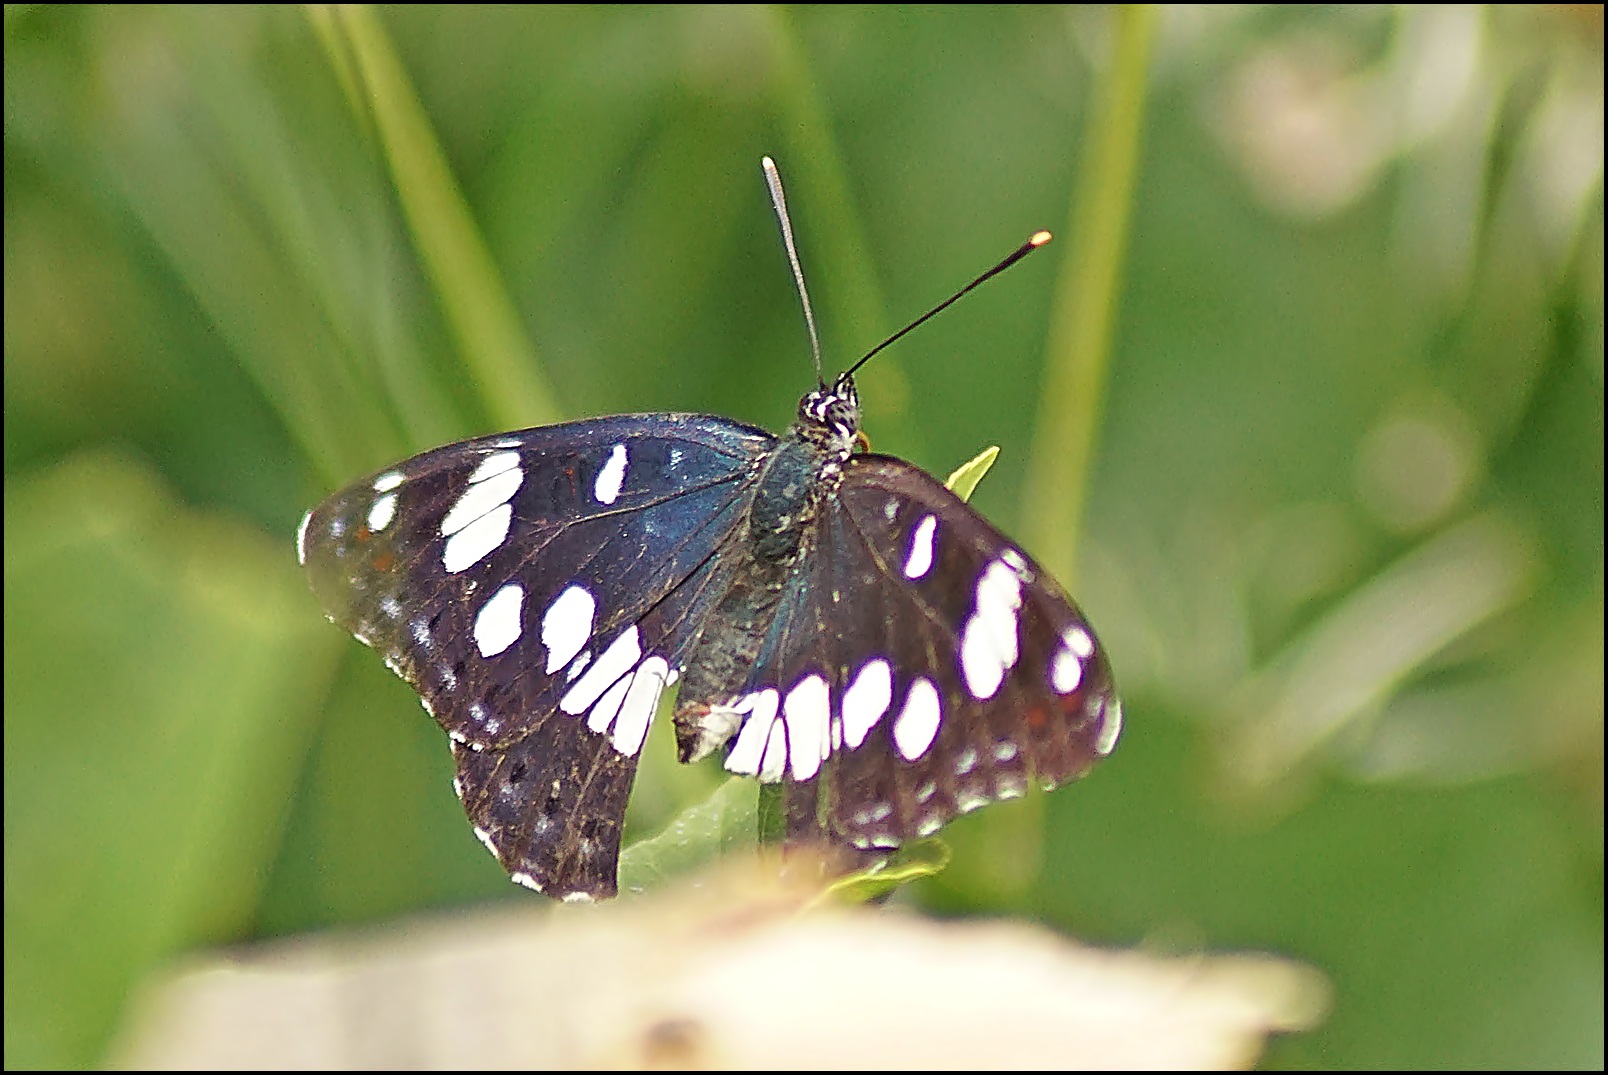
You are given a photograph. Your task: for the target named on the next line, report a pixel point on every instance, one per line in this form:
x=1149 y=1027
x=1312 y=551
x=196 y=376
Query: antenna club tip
x=767 y=163
x=1039 y=238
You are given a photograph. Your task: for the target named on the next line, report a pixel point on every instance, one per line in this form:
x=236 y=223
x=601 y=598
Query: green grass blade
x=492 y=341
x=1080 y=334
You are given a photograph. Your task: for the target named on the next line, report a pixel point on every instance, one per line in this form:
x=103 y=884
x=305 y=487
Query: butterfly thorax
x=798 y=471
x=794 y=478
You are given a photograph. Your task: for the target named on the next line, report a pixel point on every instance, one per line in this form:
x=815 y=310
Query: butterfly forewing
x=538 y=589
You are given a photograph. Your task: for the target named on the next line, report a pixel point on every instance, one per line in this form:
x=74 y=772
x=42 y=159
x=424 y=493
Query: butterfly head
x=832 y=413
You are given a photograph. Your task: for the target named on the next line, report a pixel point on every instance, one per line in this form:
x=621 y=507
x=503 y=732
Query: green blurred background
x=1341 y=522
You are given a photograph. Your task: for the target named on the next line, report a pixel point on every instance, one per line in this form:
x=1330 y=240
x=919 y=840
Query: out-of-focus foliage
x=1344 y=526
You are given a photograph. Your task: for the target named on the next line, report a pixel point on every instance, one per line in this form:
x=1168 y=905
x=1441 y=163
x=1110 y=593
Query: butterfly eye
x=813 y=407
x=843 y=415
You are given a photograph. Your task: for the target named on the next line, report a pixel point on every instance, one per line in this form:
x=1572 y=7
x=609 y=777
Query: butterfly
x=834 y=619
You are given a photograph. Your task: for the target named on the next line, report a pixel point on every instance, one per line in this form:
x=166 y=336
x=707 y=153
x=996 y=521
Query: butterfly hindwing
x=923 y=664
x=550 y=807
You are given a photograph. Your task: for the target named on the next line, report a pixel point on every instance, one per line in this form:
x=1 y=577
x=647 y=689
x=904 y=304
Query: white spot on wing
x=612 y=477
x=566 y=626
x=775 y=760
x=482 y=496
x=608 y=707
x=614 y=662
x=917 y=724
x=387 y=481
x=1110 y=728
x=525 y=879
x=807 y=709
x=1078 y=641
x=1066 y=672
x=381 y=514
x=919 y=561
x=747 y=753
x=478 y=540
x=497 y=625
x=640 y=702
x=971 y=801
x=494 y=464
x=988 y=645
x=866 y=700
x=301 y=538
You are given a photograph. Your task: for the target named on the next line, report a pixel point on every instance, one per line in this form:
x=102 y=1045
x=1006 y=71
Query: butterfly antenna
x=1036 y=240
x=774 y=180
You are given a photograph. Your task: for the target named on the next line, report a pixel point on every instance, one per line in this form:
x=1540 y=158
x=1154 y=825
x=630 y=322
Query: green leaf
x=772 y=815
x=912 y=862
x=963 y=482
x=725 y=821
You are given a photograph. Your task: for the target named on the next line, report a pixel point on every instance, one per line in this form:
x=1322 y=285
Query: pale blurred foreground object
x=731 y=973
